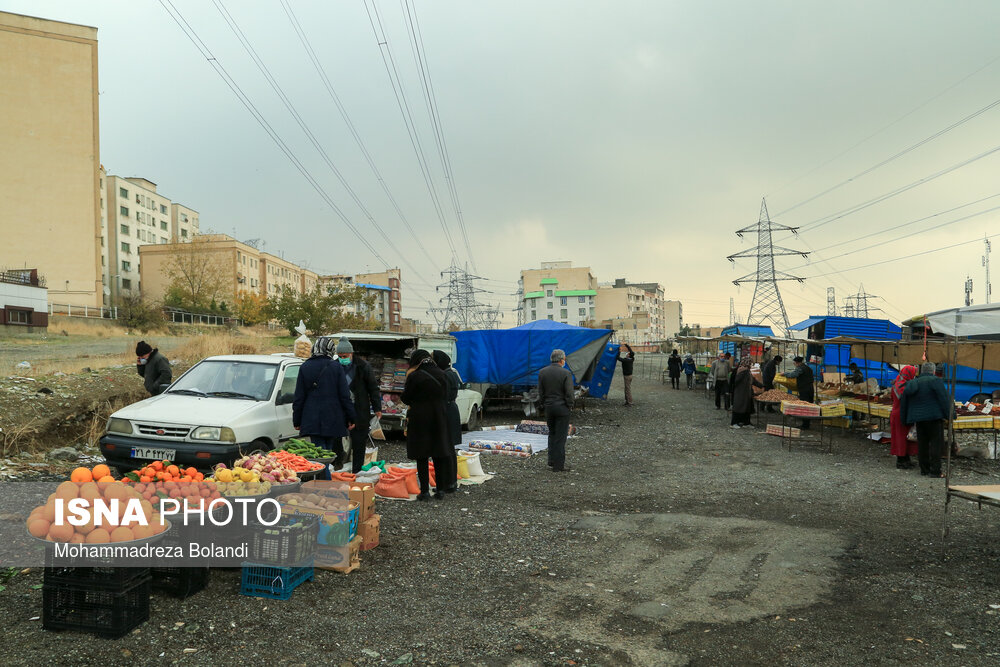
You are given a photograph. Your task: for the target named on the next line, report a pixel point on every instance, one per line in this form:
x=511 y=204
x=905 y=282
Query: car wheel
x=261 y=446
x=473 y=419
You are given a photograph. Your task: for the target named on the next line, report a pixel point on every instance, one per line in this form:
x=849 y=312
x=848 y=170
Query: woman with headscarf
x=322 y=408
x=689 y=369
x=901 y=447
x=450 y=481
x=674 y=369
x=743 y=385
x=425 y=392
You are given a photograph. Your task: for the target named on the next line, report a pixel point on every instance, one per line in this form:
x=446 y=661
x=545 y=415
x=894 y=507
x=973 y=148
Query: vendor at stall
x=803 y=382
x=854 y=375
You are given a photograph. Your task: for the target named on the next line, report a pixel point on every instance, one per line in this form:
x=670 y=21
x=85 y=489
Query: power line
x=206 y=53
x=310 y=52
x=427 y=84
x=404 y=109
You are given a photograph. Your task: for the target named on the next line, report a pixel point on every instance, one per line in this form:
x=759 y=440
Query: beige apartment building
x=391 y=278
x=50 y=210
x=238 y=264
x=184 y=224
x=559 y=291
x=277 y=273
x=619 y=305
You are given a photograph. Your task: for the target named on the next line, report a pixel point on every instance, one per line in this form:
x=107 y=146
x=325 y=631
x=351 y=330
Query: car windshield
x=238 y=380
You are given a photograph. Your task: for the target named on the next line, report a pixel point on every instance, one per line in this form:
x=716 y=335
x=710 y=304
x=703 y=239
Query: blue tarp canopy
x=514 y=356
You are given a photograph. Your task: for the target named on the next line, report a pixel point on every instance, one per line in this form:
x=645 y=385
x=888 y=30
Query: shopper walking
x=425 y=392
x=153 y=368
x=627 y=359
x=322 y=407
x=450 y=480
x=689 y=369
x=902 y=448
x=720 y=379
x=926 y=404
x=555 y=392
x=803 y=375
x=743 y=385
x=367 y=401
x=674 y=369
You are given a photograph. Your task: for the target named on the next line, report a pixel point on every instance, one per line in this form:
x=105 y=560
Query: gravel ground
x=674 y=540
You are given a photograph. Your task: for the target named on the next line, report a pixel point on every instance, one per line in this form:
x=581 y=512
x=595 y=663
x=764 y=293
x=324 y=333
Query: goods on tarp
x=518 y=449
x=775 y=396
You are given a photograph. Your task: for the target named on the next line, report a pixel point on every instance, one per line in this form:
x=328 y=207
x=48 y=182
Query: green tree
x=324 y=310
x=251 y=308
x=135 y=313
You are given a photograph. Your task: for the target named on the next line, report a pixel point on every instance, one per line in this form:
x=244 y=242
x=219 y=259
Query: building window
x=534 y=315
x=548 y=305
x=18 y=317
x=126 y=283
x=124 y=229
x=184 y=217
x=548 y=292
x=591 y=313
x=550 y=317
x=126 y=248
x=163 y=240
x=123 y=192
x=163 y=209
x=126 y=266
x=123 y=210
x=163 y=225
x=138 y=199
x=562 y=301
x=581 y=299
x=184 y=233
x=562 y=314
x=583 y=312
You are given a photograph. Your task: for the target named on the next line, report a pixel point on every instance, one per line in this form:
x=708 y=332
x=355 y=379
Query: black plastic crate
x=105 y=613
x=290 y=541
x=90 y=573
x=179 y=582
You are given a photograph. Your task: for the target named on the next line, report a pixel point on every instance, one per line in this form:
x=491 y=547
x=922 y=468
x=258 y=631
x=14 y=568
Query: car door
x=283 y=402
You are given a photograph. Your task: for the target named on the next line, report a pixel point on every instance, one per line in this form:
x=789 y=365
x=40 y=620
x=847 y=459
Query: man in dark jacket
x=555 y=391
x=443 y=361
x=627 y=359
x=926 y=403
x=767 y=373
x=367 y=401
x=425 y=393
x=153 y=368
x=674 y=365
x=803 y=375
x=322 y=408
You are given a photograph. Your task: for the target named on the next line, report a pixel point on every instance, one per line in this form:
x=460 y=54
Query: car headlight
x=116 y=425
x=223 y=434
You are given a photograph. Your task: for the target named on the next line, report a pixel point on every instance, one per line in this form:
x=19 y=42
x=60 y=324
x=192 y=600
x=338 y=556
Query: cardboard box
x=369 y=532
x=364 y=496
x=776 y=429
x=343 y=559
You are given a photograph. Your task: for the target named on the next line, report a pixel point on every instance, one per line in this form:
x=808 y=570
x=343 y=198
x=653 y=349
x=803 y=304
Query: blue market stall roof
x=831 y=326
x=514 y=356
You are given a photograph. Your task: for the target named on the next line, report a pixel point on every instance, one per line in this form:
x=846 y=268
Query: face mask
x=142 y=362
x=345 y=362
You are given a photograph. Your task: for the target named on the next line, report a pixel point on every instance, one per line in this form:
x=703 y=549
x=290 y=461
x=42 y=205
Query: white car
x=221 y=408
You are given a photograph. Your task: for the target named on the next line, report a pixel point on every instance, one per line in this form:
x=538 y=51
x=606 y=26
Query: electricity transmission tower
x=856 y=305
x=968 y=291
x=732 y=311
x=461 y=306
x=767 y=305
x=831 y=302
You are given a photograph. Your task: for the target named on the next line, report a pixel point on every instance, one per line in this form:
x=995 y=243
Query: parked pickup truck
x=221 y=408
x=388 y=351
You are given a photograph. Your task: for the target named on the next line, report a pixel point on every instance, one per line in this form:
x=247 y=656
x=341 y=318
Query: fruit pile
x=93 y=485
x=294 y=462
x=163 y=471
x=269 y=467
x=239 y=481
x=313 y=501
x=307 y=450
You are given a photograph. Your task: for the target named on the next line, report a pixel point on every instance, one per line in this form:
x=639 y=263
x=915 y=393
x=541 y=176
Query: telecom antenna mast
x=986 y=264
x=968 y=291
x=831 y=302
x=767 y=305
x=732 y=311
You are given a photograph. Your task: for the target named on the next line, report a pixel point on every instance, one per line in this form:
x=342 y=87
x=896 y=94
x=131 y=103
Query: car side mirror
x=285 y=399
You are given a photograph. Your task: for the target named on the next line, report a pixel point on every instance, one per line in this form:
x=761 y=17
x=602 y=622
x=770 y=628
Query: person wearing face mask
x=367 y=401
x=322 y=408
x=153 y=368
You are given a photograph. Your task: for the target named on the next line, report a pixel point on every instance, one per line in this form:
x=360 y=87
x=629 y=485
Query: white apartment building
x=136 y=214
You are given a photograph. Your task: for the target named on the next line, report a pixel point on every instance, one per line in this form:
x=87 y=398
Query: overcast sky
x=631 y=137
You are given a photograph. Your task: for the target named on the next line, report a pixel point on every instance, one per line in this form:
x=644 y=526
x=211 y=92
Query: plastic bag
x=303 y=346
x=375 y=429
x=912 y=435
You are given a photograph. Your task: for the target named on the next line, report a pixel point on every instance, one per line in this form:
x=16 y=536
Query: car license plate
x=153 y=454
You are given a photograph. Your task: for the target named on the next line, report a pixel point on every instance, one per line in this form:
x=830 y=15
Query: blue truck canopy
x=514 y=356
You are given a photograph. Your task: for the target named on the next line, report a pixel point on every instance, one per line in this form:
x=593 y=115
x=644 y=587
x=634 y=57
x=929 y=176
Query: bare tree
x=199 y=277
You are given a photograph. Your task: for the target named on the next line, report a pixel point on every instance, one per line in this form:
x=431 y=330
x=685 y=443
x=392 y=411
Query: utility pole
x=461 y=305
x=732 y=311
x=986 y=264
x=968 y=291
x=831 y=302
x=767 y=305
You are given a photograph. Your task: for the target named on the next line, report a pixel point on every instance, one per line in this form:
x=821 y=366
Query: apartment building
x=381 y=310
x=50 y=216
x=277 y=273
x=619 y=303
x=559 y=291
x=673 y=318
x=238 y=265
x=391 y=278
x=184 y=223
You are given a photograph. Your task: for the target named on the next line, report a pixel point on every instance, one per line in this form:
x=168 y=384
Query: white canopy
x=982 y=320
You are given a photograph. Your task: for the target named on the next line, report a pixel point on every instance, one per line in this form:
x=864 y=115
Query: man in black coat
x=426 y=420
x=367 y=401
x=555 y=391
x=626 y=357
x=153 y=368
x=443 y=361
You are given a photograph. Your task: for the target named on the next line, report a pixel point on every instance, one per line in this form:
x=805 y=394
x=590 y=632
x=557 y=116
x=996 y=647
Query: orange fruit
x=86 y=528
x=98 y=536
x=90 y=491
x=101 y=470
x=38 y=527
x=81 y=475
x=192 y=471
x=107 y=479
x=173 y=470
x=157 y=528
x=122 y=535
x=77 y=539
x=49 y=512
x=61 y=533
x=68 y=490
x=142 y=532
x=157 y=465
